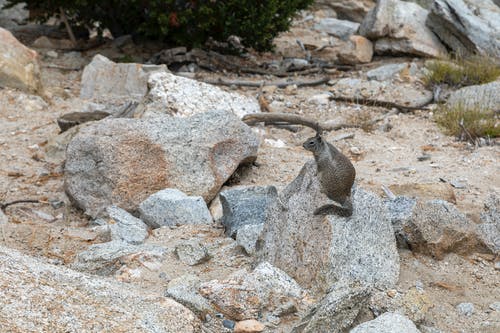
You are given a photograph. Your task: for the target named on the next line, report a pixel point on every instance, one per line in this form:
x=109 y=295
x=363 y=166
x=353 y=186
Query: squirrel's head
x=313 y=144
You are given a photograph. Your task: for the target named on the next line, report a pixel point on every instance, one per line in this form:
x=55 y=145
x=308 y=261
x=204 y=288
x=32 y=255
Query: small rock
x=245 y=205
x=56 y=204
x=495 y=306
x=429 y=329
x=388 y=322
x=228 y=324
x=355 y=151
x=247 y=237
x=192 y=253
x=184 y=290
x=126 y=227
x=385 y=72
x=465 y=309
x=245 y=295
x=248 y=326
x=359 y=50
x=172 y=207
x=320 y=99
x=336 y=311
x=291 y=64
x=52 y=54
x=107 y=258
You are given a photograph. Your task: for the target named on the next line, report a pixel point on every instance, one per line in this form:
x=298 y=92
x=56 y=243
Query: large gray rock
x=184 y=290
x=335 y=312
x=483 y=96
x=104 y=79
x=467 y=26
x=436 y=227
x=245 y=295
x=339 y=28
x=12 y=17
x=124 y=161
x=399 y=27
x=387 y=323
x=320 y=250
x=354 y=10
x=126 y=227
x=105 y=258
x=172 y=207
x=19 y=65
x=402 y=94
x=38 y=297
x=176 y=95
x=489 y=229
x=245 y=205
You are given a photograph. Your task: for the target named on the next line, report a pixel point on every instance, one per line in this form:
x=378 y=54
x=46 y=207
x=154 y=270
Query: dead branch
x=375 y=102
x=7 y=204
x=469 y=136
x=286 y=118
x=279 y=84
x=68 y=27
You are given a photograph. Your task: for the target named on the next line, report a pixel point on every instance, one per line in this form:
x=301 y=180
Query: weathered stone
x=414 y=303
x=12 y=17
x=184 y=290
x=335 y=312
x=19 y=65
x=125 y=227
x=104 y=79
x=192 y=253
x=436 y=227
x=176 y=95
x=321 y=250
x=244 y=295
x=286 y=44
x=465 y=309
x=403 y=94
x=171 y=207
x=45 y=42
x=359 y=50
x=385 y=72
x=400 y=211
x=399 y=27
x=387 y=323
x=247 y=237
x=425 y=191
x=482 y=97
x=489 y=229
x=246 y=205
x=248 y=326
x=348 y=9
x=123 y=161
x=467 y=26
x=106 y=258
x=38 y=297
x=339 y=28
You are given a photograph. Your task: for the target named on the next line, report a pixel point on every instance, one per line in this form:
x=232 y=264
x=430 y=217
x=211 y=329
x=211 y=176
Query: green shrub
x=462 y=72
x=477 y=121
x=183 y=22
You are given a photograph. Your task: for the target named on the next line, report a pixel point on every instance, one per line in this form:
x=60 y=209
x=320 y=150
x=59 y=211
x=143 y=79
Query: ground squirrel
x=336 y=175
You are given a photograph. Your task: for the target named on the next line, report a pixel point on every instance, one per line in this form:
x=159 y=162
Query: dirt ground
x=380 y=158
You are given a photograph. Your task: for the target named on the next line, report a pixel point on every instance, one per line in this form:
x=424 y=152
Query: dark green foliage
x=183 y=22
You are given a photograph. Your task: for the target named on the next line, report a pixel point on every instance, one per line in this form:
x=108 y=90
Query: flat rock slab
x=104 y=79
x=320 y=250
x=176 y=95
x=402 y=94
x=123 y=161
x=19 y=65
x=38 y=297
x=482 y=96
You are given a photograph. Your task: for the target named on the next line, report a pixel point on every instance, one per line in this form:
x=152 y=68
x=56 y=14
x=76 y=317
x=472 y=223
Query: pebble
x=248 y=326
x=465 y=309
x=228 y=323
x=495 y=306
